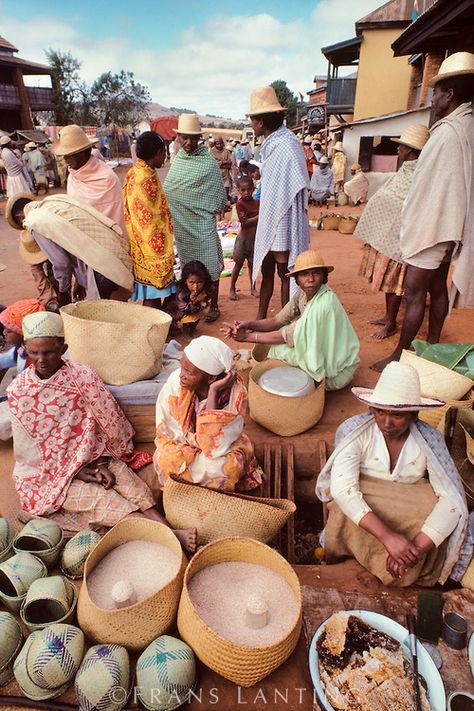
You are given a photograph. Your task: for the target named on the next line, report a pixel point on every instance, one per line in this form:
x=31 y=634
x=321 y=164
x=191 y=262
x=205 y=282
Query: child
x=193 y=295
x=247 y=211
x=254 y=172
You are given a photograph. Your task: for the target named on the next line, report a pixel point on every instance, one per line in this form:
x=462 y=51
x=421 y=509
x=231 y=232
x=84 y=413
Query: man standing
x=196 y=194
x=283 y=227
x=438 y=215
x=15 y=168
x=90 y=180
x=223 y=158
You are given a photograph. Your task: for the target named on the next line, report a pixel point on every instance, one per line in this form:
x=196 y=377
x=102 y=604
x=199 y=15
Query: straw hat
x=414 y=136
x=338 y=147
x=188 y=125
x=324 y=160
x=5 y=140
x=309 y=260
x=307 y=140
x=72 y=139
x=29 y=249
x=264 y=101
x=398 y=388
x=455 y=65
x=12 y=203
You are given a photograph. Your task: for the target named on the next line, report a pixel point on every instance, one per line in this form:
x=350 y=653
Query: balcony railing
x=40 y=98
x=341 y=95
x=9 y=97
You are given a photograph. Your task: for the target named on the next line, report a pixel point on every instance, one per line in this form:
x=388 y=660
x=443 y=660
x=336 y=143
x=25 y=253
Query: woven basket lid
x=10 y=638
x=7 y=534
x=166 y=674
x=103 y=679
x=75 y=552
x=27 y=686
x=55 y=656
x=286 y=381
x=46 y=532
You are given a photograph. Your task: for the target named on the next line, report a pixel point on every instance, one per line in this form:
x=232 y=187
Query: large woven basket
x=331 y=221
x=213 y=512
x=435 y=416
x=347 y=224
x=285 y=416
x=241 y=664
x=122 y=342
x=436 y=380
x=135 y=626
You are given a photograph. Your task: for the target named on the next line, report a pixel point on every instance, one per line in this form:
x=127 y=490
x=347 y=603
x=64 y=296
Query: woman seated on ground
x=74 y=457
x=357 y=188
x=397 y=503
x=312 y=331
x=199 y=419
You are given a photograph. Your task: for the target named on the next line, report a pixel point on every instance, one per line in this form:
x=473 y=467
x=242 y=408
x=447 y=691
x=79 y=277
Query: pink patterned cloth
x=97 y=185
x=60 y=425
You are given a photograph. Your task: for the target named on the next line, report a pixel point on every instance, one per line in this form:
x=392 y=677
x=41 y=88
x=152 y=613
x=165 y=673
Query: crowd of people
x=74 y=456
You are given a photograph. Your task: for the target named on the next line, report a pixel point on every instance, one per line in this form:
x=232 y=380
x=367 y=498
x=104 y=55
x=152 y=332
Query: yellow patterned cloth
x=149 y=227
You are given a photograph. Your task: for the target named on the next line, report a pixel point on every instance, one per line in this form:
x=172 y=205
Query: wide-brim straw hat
x=5 y=140
x=398 y=388
x=324 y=160
x=12 y=203
x=307 y=140
x=72 y=139
x=264 y=101
x=455 y=65
x=310 y=259
x=29 y=146
x=188 y=125
x=29 y=249
x=414 y=136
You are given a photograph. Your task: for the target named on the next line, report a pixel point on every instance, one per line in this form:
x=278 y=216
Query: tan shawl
x=440 y=206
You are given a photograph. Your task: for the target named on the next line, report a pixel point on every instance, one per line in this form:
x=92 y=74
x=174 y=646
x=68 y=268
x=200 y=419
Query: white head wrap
x=42 y=325
x=209 y=354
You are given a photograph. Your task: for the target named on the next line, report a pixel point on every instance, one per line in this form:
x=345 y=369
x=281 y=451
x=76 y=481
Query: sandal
x=212 y=316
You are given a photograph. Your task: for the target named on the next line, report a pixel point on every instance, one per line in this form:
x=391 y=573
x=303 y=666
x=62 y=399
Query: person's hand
x=219 y=385
x=403 y=551
x=89 y=474
x=107 y=478
x=423 y=544
x=193 y=295
x=396 y=569
x=228 y=330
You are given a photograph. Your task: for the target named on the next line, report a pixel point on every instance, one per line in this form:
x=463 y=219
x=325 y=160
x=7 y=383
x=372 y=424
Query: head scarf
x=209 y=354
x=14 y=314
x=43 y=325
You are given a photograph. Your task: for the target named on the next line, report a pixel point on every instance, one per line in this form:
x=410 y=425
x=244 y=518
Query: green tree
x=118 y=98
x=286 y=99
x=66 y=84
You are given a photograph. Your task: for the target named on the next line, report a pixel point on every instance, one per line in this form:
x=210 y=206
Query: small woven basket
x=434 y=417
x=67 y=618
x=285 y=416
x=211 y=512
x=11 y=640
x=436 y=380
x=7 y=534
x=347 y=224
x=122 y=342
x=241 y=664
x=330 y=221
x=135 y=626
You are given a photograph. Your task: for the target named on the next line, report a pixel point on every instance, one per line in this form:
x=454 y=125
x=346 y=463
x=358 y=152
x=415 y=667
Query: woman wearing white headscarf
x=199 y=435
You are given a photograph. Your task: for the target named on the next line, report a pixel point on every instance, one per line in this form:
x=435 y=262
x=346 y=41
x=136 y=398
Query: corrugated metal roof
x=373 y=119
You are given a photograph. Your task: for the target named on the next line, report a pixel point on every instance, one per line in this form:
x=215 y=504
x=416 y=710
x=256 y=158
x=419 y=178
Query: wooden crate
x=142 y=419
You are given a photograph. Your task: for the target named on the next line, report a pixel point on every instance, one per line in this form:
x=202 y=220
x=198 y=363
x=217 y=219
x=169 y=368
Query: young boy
x=247 y=211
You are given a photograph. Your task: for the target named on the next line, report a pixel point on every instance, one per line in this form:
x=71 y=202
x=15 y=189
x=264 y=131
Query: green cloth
x=455 y=356
x=326 y=345
x=195 y=194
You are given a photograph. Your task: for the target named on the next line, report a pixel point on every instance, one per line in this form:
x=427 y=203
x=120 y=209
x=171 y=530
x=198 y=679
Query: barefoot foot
x=233 y=295
x=380 y=364
x=381 y=321
x=255 y=293
x=188 y=538
x=385 y=332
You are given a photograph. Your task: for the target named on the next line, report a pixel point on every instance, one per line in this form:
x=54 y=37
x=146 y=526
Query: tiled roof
x=5 y=44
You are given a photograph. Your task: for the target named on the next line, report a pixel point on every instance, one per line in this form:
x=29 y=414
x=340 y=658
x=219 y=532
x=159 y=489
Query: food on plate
x=363 y=669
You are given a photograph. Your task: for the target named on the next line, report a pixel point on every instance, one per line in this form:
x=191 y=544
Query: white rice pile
x=148 y=566
x=220 y=593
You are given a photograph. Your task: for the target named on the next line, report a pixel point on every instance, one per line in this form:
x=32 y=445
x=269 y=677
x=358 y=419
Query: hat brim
x=271 y=109
x=365 y=395
x=56 y=146
x=31 y=258
x=310 y=266
x=187 y=133
x=10 y=206
x=439 y=77
x=409 y=145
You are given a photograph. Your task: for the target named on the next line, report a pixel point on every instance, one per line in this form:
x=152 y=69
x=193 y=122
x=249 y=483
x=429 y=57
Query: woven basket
x=285 y=416
x=135 y=626
x=435 y=416
x=347 y=224
x=122 y=342
x=437 y=381
x=7 y=534
x=11 y=640
x=43 y=539
x=67 y=618
x=330 y=221
x=243 y=665
x=213 y=512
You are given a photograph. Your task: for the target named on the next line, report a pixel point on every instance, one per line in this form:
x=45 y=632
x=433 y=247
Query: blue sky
x=203 y=55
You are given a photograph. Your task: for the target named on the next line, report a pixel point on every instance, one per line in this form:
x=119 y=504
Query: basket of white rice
x=132 y=583
x=240 y=609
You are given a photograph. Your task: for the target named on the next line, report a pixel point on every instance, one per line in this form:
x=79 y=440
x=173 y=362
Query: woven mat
x=319 y=604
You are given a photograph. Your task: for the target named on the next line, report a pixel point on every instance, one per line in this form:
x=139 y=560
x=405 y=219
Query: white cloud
x=215 y=65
